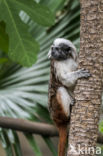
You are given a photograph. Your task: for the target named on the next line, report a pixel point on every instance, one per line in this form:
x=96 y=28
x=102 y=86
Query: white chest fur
x=63 y=67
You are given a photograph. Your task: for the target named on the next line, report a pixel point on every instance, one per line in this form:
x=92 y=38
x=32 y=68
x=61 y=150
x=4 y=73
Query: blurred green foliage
x=24 y=91
x=22 y=47
x=4 y=38
x=101 y=126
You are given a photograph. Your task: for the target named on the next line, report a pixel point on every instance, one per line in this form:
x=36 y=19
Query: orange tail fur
x=62 y=140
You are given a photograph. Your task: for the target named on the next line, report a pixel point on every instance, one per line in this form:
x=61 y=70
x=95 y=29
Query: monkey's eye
x=57 y=48
x=54 y=48
x=51 y=47
x=68 y=48
x=65 y=48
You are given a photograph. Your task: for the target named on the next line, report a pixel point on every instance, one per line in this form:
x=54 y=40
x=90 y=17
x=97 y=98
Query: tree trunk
x=85 y=113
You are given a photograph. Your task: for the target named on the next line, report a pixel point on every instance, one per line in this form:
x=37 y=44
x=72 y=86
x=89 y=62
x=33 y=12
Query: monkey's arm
x=69 y=79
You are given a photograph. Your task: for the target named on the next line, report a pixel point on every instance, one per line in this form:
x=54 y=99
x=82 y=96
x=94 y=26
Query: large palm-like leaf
x=23 y=92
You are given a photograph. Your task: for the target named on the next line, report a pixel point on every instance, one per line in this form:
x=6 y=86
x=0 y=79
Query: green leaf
x=10 y=135
x=101 y=126
x=33 y=144
x=43 y=113
x=50 y=145
x=3 y=60
x=54 y=5
x=39 y=13
x=16 y=145
x=0 y=1
x=22 y=47
x=6 y=143
x=3 y=140
x=4 y=39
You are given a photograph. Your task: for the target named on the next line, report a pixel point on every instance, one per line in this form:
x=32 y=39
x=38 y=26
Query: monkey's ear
x=74 y=54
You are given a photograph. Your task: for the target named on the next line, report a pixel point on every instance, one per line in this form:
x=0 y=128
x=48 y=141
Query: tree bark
x=85 y=113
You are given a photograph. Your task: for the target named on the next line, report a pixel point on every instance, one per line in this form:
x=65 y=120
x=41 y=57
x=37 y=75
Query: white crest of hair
x=65 y=41
x=59 y=41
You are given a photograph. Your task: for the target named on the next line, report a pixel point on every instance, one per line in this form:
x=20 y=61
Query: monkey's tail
x=62 y=140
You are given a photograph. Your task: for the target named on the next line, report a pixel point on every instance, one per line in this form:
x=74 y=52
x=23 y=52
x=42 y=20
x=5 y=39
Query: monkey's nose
x=53 y=52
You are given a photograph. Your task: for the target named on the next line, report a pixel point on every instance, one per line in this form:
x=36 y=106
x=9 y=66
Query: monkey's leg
x=64 y=99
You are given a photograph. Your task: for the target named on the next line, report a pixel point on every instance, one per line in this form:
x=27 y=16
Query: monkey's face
x=61 y=49
x=60 y=52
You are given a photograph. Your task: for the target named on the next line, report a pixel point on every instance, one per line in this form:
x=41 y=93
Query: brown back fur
x=56 y=111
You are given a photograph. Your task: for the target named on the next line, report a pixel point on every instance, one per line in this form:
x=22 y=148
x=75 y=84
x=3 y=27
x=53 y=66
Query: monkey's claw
x=85 y=73
x=72 y=102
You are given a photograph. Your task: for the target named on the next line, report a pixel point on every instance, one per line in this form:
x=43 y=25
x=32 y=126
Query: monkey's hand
x=72 y=102
x=83 y=73
x=69 y=79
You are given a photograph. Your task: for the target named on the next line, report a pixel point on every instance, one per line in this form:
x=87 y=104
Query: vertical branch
x=85 y=113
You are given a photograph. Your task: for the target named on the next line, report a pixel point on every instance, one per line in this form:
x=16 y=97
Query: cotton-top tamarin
x=63 y=77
